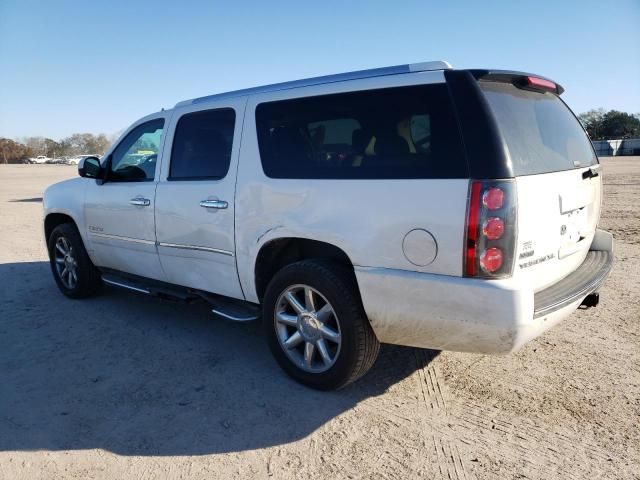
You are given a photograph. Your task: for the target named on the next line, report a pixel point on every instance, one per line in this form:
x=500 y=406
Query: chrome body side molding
x=124 y=239
x=162 y=244
x=195 y=247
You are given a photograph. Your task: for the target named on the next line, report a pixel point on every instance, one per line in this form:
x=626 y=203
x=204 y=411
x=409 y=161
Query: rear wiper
x=591 y=173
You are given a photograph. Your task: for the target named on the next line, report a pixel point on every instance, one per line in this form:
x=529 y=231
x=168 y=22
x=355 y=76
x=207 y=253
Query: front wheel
x=316 y=325
x=73 y=271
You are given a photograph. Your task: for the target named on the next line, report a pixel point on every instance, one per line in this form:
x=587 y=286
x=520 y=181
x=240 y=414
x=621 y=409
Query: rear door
x=196 y=195
x=557 y=180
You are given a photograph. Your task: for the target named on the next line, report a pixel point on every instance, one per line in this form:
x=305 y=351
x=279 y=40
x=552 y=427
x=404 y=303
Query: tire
x=87 y=280
x=343 y=358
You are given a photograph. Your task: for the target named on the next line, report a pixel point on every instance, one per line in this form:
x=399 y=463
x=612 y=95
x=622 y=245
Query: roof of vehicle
x=340 y=77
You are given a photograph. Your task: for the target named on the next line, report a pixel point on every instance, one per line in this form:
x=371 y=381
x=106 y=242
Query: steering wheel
x=148 y=164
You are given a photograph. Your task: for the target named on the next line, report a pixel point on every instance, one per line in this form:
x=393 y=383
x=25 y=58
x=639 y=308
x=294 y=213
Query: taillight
x=493 y=198
x=491 y=260
x=491 y=229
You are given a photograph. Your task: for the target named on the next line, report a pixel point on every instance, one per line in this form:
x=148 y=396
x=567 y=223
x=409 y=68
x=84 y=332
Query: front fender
x=66 y=198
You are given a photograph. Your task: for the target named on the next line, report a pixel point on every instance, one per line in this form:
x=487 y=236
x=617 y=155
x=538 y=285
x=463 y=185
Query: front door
x=195 y=198
x=120 y=212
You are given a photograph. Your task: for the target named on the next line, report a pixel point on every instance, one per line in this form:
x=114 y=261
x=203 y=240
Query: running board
x=235 y=315
x=225 y=307
x=231 y=309
x=147 y=286
x=122 y=284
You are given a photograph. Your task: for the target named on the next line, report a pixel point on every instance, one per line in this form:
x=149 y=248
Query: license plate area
x=573 y=230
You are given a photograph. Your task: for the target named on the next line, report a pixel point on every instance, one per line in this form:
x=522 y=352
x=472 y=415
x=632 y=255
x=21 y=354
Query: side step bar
x=121 y=284
x=228 y=308
x=232 y=309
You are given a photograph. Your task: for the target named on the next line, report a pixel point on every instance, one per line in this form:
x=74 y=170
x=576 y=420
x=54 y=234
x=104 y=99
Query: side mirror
x=89 y=167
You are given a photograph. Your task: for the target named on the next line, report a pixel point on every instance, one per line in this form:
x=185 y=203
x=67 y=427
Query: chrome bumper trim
x=577 y=285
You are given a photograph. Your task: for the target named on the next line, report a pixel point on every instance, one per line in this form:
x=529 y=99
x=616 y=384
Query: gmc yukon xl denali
x=416 y=205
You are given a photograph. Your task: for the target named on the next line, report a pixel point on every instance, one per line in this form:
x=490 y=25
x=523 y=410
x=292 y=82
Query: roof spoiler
x=526 y=81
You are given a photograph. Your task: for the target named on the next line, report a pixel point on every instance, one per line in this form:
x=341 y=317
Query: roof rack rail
x=339 y=77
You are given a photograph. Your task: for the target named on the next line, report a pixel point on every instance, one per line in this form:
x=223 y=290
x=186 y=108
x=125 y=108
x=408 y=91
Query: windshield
x=541 y=133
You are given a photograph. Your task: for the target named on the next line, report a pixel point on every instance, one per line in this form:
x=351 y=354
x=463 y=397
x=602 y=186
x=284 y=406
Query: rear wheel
x=73 y=271
x=316 y=326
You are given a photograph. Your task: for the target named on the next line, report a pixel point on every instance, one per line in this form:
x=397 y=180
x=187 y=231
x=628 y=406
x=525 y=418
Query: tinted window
x=135 y=158
x=202 y=145
x=407 y=132
x=541 y=133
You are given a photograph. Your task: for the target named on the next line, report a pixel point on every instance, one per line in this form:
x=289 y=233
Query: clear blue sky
x=88 y=66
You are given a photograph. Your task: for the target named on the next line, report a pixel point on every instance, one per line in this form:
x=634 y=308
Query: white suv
x=416 y=205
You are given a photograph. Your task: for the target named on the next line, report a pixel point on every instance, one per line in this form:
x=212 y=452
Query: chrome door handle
x=221 y=204
x=140 y=201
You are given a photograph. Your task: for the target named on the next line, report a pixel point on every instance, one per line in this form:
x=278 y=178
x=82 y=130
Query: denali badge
x=527 y=249
x=538 y=260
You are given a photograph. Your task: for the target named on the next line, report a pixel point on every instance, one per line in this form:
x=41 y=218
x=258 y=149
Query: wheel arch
x=53 y=219
x=280 y=252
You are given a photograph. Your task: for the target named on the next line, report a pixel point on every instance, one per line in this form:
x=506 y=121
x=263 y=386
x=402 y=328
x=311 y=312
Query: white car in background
x=415 y=205
x=40 y=159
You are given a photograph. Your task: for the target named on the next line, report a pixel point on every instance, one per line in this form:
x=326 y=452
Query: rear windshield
x=541 y=133
x=407 y=132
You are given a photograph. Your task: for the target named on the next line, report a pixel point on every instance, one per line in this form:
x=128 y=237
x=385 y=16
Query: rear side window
x=202 y=145
x=540 y=131
x=407 y=132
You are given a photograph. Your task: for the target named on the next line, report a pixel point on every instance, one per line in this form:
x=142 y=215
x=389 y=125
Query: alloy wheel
x=66 y=264
x=307 y=328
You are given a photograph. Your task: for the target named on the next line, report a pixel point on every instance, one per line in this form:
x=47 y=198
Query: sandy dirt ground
x=125 y=386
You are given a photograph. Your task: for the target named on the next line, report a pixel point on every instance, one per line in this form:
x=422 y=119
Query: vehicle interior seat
x=289 y=142
x=359 y=141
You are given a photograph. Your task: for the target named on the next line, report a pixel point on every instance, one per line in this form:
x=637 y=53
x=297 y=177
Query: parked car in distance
x=58 y=161
x=416 y=205
x=40 y=159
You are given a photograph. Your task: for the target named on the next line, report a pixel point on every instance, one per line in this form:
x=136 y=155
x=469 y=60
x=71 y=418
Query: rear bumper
x=586 y=279
x=472 y=315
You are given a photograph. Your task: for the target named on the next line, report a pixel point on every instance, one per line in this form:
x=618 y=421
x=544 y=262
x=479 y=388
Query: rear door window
x=540 y=131
x=407 y=132
x=202 y=145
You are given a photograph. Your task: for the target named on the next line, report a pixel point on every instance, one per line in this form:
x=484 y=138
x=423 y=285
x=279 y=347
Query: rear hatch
x=557 y=177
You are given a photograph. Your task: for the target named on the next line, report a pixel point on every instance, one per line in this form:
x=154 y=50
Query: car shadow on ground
x=27 y=200
x=136 y=375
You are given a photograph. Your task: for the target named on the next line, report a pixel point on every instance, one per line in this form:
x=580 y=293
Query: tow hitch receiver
x=591 y=300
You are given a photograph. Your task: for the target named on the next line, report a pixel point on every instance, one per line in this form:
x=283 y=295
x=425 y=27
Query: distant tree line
x=12 y=151
x=602 y=125
x=15 y=151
